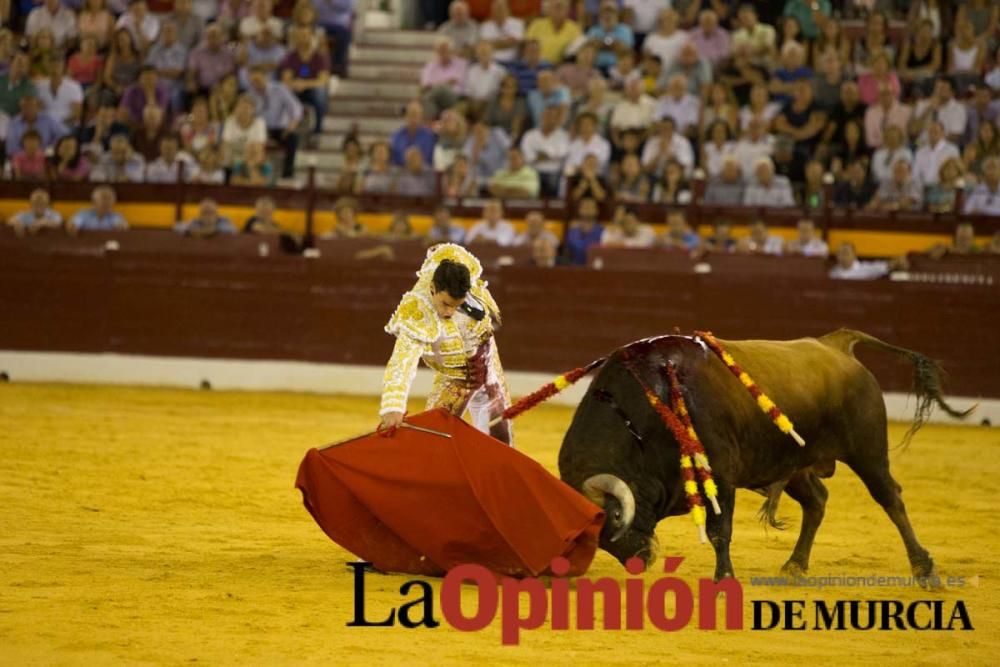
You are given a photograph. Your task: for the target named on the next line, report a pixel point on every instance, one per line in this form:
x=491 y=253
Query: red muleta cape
x=421 y=503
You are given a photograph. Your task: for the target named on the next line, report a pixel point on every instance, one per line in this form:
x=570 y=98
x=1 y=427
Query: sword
x=425 y=430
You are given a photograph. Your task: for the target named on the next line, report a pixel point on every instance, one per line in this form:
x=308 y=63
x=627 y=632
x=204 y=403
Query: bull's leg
x=888 y=493
x=720 y=529
x=811 y=494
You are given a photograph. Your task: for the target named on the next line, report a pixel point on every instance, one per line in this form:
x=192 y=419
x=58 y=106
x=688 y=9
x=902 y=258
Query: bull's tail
x=767 y=514
x=927 y=376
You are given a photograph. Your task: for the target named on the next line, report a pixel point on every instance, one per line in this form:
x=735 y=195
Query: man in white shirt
x=807 y=242
x=943 y=106
x=482 y=79
x=985 y=198
x=629 y=233
x=262 y=16
x=645 y=15
x=760 y=37
x=929 y=158
x=849 y=267
x=545 y=148
x=667 y=144
x=61 y=96
x=633 y=112
x=60 y=20
x=587 y=142
x=666 y=43
x=503 y=31
x=753 y=145
x=535 y=230
x=680 y=105
x=492 y=228
x=766 y=188
x=888 y=112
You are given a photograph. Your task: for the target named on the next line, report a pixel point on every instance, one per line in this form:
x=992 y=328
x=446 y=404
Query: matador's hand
x=476 y=367
x=390 y=422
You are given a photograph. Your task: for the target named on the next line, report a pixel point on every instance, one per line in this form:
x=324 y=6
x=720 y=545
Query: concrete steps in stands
x=407 y=38
x=404 y=55
x=362 y=106
x=374 y=88
x=367 y=124
x=390 y=72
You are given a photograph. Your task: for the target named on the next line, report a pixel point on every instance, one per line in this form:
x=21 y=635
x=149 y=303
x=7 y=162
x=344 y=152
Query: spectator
x=459 y=181
x=718 y=145
x=831 y=43
x=306 y=71
x=543 y=253
x=15 y=84
x=49 y=130
x=168 y=57
x=253 y=167
x=483 y=78
x=443 y=230
x=516 y=180
x=680 y=105
x=986 y=144
x=624 y=69
x=38 y=217
x=760 y=242
x=535 y=230
x=147 y=91
x=380 y=176
x=813 y=193
x=526 y=68
x=143 y=26
x=766 y=188
x=810 y=15
x=792 y=70
x=920 y=59
x=963 y=243
x=486 y=147
x=190 y=26
x=554 y=32
x=888 y=112
x=583 y=233
x=61 y=97
x=929 y=158
x=802 y=122
x=992 y=78
x=879 y=76
x=28 y=164
x=451 y=136
x=209 y=169
x=588 y=183
x=666 y=43
x=508 y=110
x=53 y=16
x=210 y=62
x=400 y=228
x=265 y=51
x=460 y=28
x=101 y=217
x=346 y=223
x=262 y=221
x=630 y=183
x=304 y=16
x=415 y=179
x=711 y=40
x=849 y=267
x=208 y=223
x=121 y=164
x=355 y=162
x=635 y=112
x=982 y=110
x=807 y=242
x=720 y=106
x=596 y=102
x=902 y=192
x=549 y=93
x=261 y=18
x=759 y=37
x=336 y=17
x=673 y=187
x=829 y=82
x=679 y=234
x=608 y=34
x=755 y=144
x=171 y=165
x=629 y=233
x=502 y=31
x=854 y=190
x=86 y=66
x=578 y=74
x=281 y=112
x=985 y=197
x=892 y=150
x=545 y=148
x=759 y=106
x=697 y=71
x=121 y=68
x=587 y=142
x=942 y=106
x=492 y=228
x=197 y=130
x=721 y=240
x=413 y=133
x=966 y=54
x=147 y=137
x=222 y=100
x=243 y=127
x=94 y=20
x=941 y=197
x=442 y=79
x=67 y=163
x=726 y=188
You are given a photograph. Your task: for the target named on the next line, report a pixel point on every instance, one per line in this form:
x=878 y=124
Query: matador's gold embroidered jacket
x=445 y=345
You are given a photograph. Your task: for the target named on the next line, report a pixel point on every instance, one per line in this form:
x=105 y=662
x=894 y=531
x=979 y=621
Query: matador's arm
x=399 y=374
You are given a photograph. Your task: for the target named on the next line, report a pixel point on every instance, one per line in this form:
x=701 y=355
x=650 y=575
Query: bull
x=619 y=453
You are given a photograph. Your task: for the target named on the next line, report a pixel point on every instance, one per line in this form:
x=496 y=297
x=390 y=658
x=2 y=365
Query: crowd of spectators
x=160 y=90
x=891 y=104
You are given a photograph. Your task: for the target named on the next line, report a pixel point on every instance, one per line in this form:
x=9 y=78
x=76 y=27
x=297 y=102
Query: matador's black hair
x=453 y=278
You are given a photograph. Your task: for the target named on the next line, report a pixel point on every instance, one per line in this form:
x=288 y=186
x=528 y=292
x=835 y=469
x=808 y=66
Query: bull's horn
x=597 y=485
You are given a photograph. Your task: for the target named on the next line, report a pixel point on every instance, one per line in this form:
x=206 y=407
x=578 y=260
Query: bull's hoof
x=793 y=569
x=724 y=574
x=926 y=574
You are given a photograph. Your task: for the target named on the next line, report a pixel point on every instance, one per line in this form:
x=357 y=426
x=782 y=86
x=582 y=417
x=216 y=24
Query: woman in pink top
x=66 y=163
x=29 y=163
x=85 y=66
x=879 y=72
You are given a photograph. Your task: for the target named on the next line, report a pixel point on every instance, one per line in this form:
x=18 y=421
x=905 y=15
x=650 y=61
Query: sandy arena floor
x=162 y=526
